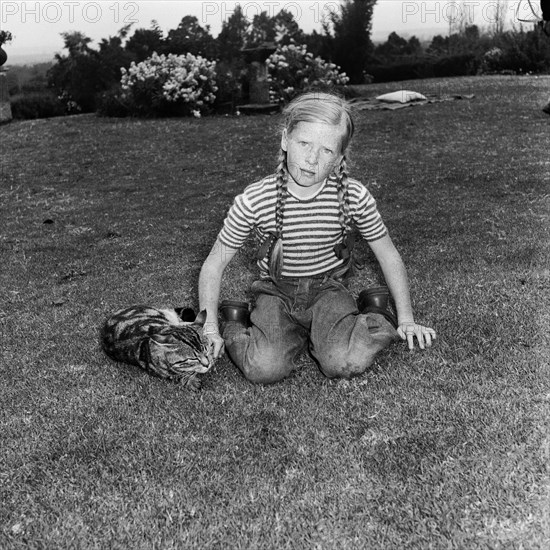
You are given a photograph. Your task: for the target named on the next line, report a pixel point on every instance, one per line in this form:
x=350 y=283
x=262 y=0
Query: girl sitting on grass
x=303 y=217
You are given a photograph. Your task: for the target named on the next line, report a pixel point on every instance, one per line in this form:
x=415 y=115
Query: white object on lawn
x=402 y=96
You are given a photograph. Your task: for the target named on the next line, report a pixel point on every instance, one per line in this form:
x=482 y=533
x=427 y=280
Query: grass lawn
x=447 y=448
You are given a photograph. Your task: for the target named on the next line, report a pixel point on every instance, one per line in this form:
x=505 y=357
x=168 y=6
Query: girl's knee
x=344 y=369
x=341 y=363
x=267 y=369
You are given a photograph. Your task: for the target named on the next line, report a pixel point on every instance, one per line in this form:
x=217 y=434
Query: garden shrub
x=169 y=85
x=76 y=80
x=455 y=65
x=401 y=71
x=292 y=70
x=517 y=52
x=112 y=104
x=37 y=105
x=491 y=62
x=230 y=77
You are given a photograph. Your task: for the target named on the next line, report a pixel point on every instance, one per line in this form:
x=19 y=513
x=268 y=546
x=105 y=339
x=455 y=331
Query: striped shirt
x=311 y=226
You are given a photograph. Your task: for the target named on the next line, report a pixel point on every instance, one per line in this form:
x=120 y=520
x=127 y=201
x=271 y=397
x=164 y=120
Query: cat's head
x=180 y=349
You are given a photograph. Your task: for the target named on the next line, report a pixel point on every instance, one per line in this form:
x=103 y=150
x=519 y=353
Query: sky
x=36 y=25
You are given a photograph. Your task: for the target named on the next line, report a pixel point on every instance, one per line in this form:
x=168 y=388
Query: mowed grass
x=447 y=448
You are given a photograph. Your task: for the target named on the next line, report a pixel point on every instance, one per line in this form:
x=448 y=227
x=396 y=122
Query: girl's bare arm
x=209 y=290
x=395 y=274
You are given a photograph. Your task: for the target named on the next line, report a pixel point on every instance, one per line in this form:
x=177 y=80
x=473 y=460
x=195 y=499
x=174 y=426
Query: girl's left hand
x=216 y=344
x=424 y=335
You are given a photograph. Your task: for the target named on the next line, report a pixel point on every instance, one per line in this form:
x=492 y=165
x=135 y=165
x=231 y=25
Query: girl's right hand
x=424 y=335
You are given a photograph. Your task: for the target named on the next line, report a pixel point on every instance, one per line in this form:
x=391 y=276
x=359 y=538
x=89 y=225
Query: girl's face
x=313 y=150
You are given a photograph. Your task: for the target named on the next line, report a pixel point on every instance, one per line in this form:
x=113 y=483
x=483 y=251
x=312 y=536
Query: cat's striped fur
x=159 y=341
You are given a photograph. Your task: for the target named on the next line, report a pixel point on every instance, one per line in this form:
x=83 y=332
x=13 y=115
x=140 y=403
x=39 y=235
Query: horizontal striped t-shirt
x=311 y=227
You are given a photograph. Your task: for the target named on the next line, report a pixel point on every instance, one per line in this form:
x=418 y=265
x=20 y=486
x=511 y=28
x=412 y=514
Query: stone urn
x=257 y=71
x=5 y=105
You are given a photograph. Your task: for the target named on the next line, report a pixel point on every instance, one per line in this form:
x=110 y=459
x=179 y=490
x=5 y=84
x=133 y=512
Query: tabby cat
x=164 y=342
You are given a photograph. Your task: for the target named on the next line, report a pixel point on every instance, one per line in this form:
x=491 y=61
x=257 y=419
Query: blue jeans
x=317 y=313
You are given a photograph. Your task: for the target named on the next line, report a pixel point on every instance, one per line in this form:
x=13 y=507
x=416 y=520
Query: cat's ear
x=186 y=314
x=201 y=318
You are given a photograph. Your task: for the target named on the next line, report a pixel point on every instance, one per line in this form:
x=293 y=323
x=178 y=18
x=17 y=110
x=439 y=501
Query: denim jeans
x=291 y=315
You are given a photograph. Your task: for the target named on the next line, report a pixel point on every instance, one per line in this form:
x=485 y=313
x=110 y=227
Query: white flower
x=292 y=68
x=173 y=77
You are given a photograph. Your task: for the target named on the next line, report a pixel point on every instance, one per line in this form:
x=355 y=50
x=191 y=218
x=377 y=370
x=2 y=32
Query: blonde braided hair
x=276 y=256
x=344 y=214
x=311 y=107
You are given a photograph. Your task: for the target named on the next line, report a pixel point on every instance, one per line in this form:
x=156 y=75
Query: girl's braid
x=344 y=214
x=276 y=252
x=282 y=179
x=345 y=219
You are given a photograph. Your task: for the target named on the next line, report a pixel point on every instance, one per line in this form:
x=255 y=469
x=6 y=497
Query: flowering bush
x=170 y=85
x=292 y=69
x=491 y=61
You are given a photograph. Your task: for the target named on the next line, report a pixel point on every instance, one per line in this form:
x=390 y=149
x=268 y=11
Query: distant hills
x=422 y=33
x=28 y=59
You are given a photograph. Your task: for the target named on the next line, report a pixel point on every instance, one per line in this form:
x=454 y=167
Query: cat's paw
x=191 y=383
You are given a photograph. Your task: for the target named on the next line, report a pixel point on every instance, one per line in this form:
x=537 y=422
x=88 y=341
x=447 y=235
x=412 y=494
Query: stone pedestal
x=258 y=83
x=5 y=106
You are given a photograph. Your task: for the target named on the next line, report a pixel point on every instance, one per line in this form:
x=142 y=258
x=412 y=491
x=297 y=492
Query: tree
x=231 y=69
x=287 y=30
x=468 y=40
x=466 y=18
x=113 y=56
x=523 y=51
x=77 y=77
x=500 y=10
x=238 y=33
x=395 y=46
x=191 y=38
x=262 y=30
x=144 y=42
x=475 y=42
x=414 y=46
x=232 y=38
x=350 y=30
x=319 y=44
x=76 y=43
x=439 y=45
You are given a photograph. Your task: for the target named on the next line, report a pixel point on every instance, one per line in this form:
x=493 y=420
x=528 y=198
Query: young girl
x=303 y=216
